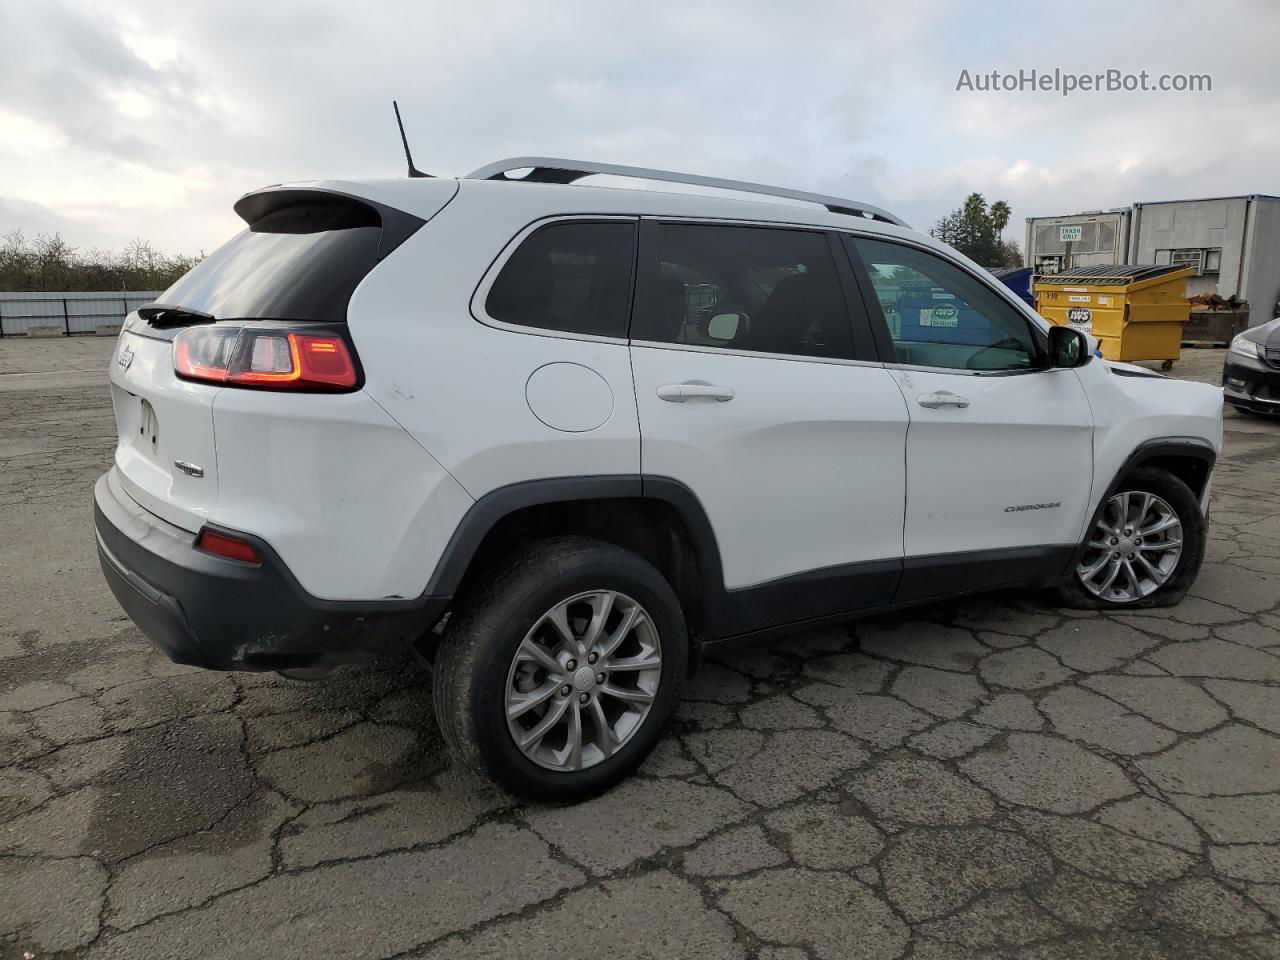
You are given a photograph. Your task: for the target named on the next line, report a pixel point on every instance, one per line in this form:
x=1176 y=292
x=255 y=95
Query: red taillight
x=264 y=357
x=233 y=548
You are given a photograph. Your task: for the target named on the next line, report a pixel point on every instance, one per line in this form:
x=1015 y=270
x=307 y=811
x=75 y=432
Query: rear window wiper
x=172 y=315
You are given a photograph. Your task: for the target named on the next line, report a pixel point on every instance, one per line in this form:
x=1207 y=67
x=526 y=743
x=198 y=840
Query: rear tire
x=505 y=662
x=1125 y=563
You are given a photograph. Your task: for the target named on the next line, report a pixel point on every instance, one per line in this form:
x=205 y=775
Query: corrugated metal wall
x=80 y=312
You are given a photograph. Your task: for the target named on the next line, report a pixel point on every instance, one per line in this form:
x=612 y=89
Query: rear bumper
x=1252 y=384
x=211 y=612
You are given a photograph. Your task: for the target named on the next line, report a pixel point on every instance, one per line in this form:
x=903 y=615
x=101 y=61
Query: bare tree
x=50 y=263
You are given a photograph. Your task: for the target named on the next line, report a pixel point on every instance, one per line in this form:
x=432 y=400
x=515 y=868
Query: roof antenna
x=413 y=171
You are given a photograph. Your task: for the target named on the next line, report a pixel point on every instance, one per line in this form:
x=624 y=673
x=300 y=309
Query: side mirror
x=1068 y=347
x=723 y=326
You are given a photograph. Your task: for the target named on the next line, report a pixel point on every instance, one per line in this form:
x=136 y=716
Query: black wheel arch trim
x=493 y=506
x=719 y=612
x=1187 y=447
x=483 y=515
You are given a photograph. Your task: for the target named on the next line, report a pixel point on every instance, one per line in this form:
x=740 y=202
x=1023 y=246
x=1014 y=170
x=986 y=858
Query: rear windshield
x=301 y=262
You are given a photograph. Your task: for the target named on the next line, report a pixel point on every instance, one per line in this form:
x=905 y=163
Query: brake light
x=268 y=357
x=233 y=548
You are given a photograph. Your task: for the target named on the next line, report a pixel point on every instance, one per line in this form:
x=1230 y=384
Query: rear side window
x=571 y=277
x=299 y=261
x=761 y=289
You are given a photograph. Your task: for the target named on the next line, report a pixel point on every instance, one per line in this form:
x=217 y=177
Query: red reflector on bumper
x=233 y=548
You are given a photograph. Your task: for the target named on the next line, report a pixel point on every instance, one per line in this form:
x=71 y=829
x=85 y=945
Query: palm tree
x=975 y=228
x=1000 y=214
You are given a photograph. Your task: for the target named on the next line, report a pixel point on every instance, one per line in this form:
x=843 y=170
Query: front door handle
x=943 y=398
x=694 y=390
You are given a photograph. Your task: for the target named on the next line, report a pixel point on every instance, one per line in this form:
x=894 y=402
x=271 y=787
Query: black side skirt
x=846 y=592
x=951 y=574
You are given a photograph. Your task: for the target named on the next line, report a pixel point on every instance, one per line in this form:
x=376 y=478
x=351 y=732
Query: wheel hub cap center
x=584 y=679
x=1125 y=545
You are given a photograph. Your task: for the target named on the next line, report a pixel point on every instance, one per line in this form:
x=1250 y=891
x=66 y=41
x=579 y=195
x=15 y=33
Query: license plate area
x=148 y=427
x=162 y=422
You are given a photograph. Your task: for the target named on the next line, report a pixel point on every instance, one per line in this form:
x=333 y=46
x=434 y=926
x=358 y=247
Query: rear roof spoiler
x=397 y=226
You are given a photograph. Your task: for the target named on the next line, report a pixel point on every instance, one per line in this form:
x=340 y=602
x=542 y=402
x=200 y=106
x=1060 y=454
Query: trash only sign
x=1070 y=233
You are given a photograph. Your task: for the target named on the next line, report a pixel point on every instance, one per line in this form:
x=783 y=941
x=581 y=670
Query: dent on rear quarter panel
x=353 y=505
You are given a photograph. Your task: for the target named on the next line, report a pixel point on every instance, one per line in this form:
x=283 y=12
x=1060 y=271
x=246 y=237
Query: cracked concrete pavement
x=988 y=778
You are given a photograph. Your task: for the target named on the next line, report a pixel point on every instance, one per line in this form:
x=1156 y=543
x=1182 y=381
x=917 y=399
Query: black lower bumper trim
x=212 y=612
x=1271 y=407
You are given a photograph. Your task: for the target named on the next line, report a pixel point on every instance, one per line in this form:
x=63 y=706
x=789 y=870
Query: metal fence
x=74 y=313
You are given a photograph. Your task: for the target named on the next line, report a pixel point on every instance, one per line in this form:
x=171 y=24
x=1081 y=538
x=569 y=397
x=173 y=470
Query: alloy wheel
x=1133 y=549
x=583 y=680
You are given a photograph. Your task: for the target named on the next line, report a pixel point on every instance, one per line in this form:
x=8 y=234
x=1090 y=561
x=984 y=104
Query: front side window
x=760 y=289
x=940 y=316
x=572 y=277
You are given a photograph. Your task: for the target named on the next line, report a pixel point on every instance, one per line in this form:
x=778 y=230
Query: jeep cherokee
x=560 y=436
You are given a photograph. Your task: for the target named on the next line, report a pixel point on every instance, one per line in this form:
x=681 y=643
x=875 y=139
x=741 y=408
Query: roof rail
x=553 y=170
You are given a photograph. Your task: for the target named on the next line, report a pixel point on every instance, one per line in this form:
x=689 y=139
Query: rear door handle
x=694 y=390
x=943 y=398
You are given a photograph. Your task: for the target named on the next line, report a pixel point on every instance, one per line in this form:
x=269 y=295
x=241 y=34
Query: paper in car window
x=943 y=315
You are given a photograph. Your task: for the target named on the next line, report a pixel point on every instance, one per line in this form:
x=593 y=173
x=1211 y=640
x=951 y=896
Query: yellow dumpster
x=1135 y=311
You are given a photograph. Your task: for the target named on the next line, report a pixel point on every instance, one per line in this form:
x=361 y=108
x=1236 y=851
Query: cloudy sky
x=143 y=118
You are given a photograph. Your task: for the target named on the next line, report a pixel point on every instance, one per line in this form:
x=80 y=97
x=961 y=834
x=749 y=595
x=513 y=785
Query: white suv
x=559 y=436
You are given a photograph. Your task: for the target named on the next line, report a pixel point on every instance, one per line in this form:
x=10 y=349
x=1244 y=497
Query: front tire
x=1144 y=547
x=558 y=676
